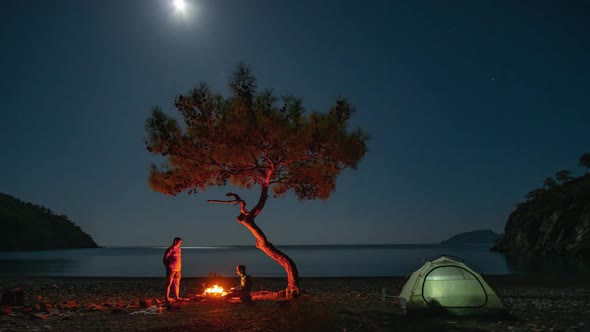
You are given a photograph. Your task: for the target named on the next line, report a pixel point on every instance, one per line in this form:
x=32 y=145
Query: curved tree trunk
x=246 y=218
x=278 y=256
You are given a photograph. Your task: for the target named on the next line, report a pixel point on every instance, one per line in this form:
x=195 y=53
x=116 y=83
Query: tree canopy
x=252 y=138
x=584 y=161
x=563 y=176
x=550 y=183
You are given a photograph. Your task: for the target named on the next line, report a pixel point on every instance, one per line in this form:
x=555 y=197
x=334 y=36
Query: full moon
x=180 y=5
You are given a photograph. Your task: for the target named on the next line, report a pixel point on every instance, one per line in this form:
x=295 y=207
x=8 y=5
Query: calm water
x=312 y=261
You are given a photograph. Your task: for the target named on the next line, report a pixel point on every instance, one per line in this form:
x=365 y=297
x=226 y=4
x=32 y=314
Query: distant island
x=26 y=226
x=480 y=236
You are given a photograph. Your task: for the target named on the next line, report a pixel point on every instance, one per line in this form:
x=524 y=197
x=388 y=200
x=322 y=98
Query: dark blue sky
x=470 y=104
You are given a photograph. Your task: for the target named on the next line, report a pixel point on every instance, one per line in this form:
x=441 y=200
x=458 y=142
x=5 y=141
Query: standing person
x=244 y=288
x=172 y=261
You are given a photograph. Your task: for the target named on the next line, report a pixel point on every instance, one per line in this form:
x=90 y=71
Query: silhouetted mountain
x=25 y=226
x=552 y=221
x=481 y=236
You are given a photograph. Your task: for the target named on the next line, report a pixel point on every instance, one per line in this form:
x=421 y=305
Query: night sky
x=470 y=105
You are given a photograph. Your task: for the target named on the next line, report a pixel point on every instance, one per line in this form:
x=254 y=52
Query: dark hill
x=25 y=226
x=481 y=236
x=551 y=221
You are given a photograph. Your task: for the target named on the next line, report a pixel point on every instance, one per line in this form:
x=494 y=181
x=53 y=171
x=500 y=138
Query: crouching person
x=244 y=288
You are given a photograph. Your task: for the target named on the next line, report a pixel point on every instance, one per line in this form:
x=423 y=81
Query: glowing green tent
x=447 y=285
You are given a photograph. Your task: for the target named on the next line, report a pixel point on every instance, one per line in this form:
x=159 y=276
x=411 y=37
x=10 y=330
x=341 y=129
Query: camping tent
x=451 y=286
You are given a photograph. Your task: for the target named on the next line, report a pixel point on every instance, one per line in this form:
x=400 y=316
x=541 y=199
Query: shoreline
x=532 y=278
x=534 y=303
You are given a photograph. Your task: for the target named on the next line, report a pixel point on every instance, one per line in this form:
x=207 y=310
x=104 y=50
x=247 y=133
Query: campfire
x=215 y=291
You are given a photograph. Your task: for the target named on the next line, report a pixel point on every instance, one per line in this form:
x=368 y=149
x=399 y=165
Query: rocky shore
x=534 y=303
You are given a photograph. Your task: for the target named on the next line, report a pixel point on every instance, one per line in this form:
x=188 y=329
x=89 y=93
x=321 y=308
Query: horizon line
x=285 y=245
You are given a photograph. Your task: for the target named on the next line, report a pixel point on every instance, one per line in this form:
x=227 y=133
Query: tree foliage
x=249 y=139
x=533 y=194
x=584 y=161
x=550 y=183
x=563 y=176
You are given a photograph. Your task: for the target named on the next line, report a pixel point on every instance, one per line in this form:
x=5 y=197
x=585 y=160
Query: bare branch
x=222 y=202
x=236 y=196
x=236 y=200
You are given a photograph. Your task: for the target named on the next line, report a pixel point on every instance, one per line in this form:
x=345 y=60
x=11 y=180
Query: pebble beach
x=533 y=303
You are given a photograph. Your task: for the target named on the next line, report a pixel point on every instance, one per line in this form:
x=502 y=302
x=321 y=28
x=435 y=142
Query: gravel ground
x=534 y=303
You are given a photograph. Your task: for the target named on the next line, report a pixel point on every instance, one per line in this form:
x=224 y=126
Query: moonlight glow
x=180 y=5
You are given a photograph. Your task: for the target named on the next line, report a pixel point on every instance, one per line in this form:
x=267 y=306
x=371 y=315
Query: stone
x=145 y=303
x=5 y=310
x=118 y=311
x=27 y=310
x=38 y=316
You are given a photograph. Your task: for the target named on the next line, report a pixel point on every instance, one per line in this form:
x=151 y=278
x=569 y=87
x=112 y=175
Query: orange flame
x=215 y=290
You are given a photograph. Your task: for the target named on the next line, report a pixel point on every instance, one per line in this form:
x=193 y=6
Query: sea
x=311 y=260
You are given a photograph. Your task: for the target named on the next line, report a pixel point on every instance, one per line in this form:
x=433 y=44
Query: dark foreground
x=534 y=303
